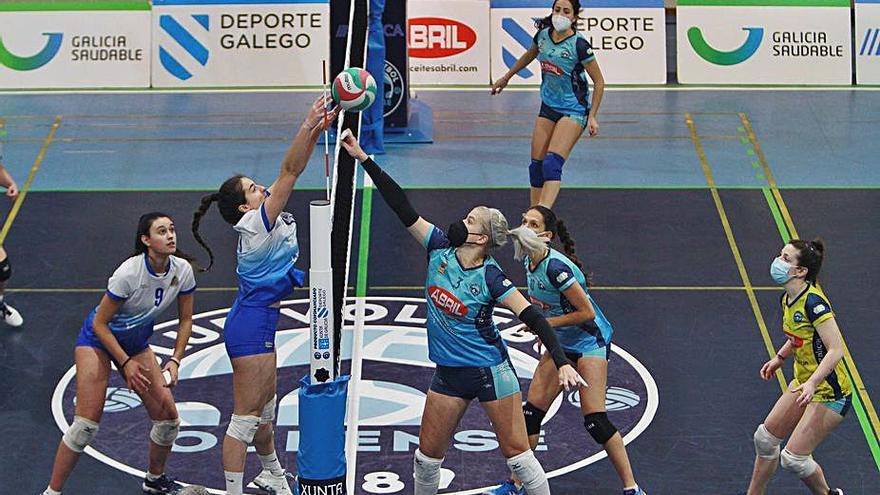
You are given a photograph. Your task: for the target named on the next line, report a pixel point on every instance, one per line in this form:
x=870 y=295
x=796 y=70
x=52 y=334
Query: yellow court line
x=728 y=231
x=16 y=207
x=789 y=223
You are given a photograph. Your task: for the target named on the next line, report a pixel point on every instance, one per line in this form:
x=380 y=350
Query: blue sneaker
x=506 y=488
x=161 y=485
x=635 y=491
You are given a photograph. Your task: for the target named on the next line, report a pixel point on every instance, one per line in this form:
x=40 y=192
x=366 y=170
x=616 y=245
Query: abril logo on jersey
x=550 y=68
x=41 y=58
x=437 y=37
x=444 y=300
x=733 y=57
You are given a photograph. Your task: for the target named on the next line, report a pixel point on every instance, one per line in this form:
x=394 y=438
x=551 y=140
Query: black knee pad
x=599 y=427
x=5 y=270
x=534 y=417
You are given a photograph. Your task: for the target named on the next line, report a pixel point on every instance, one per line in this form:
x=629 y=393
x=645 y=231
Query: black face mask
x=457 y=234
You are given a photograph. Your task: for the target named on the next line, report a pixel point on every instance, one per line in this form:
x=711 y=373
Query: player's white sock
x=270 y=463
x=234 y=483
x=50 y=491
x=153 y=477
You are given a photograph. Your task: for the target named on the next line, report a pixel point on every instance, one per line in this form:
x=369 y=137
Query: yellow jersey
x=799 y=320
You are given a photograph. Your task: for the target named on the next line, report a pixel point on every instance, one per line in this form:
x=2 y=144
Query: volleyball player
x=10 y=315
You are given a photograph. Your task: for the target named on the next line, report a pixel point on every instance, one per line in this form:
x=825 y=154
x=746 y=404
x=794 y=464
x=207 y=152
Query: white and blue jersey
x=564 y=84
x=145 y=294
x=461 y=331
x=553 y=275
x=266 y=254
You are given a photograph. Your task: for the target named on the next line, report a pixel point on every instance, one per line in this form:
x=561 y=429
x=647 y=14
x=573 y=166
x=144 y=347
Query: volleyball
x=120 y=399
x=354 y=89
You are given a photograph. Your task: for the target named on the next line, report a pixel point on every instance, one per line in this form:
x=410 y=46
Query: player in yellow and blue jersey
x=266 y=254
x=558 y=285
x=462 y=287
x=820 y=395
x=566 y=59
x=117 y=331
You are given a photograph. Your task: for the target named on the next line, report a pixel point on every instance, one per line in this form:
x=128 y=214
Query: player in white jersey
x=117 y=331
x=267 y=251
x=7 y=312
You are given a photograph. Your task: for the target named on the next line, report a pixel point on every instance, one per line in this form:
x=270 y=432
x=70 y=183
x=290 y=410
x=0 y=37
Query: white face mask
x=560 y=22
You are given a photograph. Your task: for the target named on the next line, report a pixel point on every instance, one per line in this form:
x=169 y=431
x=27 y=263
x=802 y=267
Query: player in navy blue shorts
x=117 y=331
x=566 y=60
x=463 y=285
x=558 y=285
x=266 y=253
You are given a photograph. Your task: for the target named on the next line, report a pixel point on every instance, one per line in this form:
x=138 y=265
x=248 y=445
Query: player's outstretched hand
x=319 y=117
x=569 y=378
x=352 y=146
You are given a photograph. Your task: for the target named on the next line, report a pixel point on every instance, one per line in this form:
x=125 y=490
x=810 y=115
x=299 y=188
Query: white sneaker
x=11 y=316
x=276 y=485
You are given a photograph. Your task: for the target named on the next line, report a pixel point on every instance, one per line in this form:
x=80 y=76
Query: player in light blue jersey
x=566 y=59
x=9 y=314
x=558 y=285
x=117 y=331
x=267 y=251
x=463 y=285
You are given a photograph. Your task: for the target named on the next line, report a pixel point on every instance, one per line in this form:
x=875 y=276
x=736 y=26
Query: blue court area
x=678 y=207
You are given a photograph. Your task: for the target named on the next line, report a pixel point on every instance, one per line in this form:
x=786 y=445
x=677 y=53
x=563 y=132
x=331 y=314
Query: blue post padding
x=322 y=429
x=372 y=119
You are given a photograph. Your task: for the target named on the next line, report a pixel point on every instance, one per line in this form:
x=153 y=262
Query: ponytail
x=197 y=219
x=812 y=254
x=568 y=249
x=527 y=243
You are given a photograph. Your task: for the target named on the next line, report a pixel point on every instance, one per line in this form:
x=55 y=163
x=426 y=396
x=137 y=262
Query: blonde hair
x=527 y=242
x=495 y=226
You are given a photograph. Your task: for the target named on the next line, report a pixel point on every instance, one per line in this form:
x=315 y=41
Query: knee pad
x=766 y=444
x=165 y=432
x=534 y=418
x=536 y=173
x=426 y=471
x=243 y=428
x=599 y=427
x=801 y=465
x=5 y=270
x=552 y=167
x=80 y=434
x=527 y=468
x=268 y=414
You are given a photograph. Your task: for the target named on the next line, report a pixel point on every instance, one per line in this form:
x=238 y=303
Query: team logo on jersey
x=442 y=268
x=448 y=303
x=819 y=309
x=798 y=317
x=562 y=277
x=565 y=54
x=396 y=373
x=287 y=218
x=507 y=283
x=475 y=289
x=174 y=281
x=541 y=303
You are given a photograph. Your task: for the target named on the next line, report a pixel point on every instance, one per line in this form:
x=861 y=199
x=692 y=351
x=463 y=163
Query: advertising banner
x=867 y=43
x=449 y=42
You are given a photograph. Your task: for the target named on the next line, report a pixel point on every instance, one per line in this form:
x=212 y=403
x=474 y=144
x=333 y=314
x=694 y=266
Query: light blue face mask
x=779 y=271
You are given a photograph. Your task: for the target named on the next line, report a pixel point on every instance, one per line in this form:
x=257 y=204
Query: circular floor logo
x=396 y=374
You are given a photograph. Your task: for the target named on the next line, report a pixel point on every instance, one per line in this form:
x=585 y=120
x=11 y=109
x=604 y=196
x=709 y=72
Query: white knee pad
x=426 y=472
x=268 y=414
x=80 y=434
x=801 y=465
x=527 y=468
x=165 y=432
x=766 y=444
x=243 y=428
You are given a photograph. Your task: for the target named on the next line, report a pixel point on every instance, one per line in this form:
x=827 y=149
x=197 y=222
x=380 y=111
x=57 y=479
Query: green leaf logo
x=48 y=52
x=717 y=57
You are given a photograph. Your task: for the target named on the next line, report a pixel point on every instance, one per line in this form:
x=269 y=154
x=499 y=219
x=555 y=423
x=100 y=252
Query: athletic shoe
x=162 y=485
x=835 y=491
x=635 y=491
x=506 y=488
x=11 y=316
x=276 y=485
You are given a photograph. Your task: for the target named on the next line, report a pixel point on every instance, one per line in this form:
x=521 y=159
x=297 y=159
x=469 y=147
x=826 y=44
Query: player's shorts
x=599 y=352
x=554 y=115
x=486 y=384
x=133 y=341
x=840 y=406
x=250 y=330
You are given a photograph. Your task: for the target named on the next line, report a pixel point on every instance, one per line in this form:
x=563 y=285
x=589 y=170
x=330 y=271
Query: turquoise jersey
x=461 y=302
x=564 y=84
x=553 y=275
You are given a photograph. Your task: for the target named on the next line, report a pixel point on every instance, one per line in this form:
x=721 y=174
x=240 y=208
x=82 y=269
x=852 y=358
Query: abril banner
x=95 y=45
x=628 y=37
x=764 y=42
x=867 y=44
x=198 y=43
x=449 y=42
